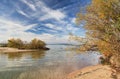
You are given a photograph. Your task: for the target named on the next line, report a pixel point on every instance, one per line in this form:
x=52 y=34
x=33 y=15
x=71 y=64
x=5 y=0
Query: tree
x=37 y=44
x=34 y=44
x=16 y=43
x=102 y=22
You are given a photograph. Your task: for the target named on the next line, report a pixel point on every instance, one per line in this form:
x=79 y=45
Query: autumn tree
x=34 y=44
x=15 y=43
x=102 y=22
x=37 y=44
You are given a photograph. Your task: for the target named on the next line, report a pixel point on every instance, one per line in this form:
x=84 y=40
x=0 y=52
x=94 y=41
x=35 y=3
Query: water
x=53 y=64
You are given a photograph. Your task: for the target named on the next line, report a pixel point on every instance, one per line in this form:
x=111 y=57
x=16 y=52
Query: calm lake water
x=53 y=64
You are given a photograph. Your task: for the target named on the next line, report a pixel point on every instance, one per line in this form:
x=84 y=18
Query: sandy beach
x=95 y=72
x=10 y=50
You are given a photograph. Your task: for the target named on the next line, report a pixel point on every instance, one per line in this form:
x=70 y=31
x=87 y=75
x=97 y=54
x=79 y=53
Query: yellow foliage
x=103 y=25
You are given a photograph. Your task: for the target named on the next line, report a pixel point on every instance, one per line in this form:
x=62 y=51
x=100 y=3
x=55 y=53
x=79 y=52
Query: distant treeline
x=18 y=43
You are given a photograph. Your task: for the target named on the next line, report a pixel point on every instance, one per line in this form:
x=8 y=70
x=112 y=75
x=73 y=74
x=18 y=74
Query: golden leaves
x=102 y=24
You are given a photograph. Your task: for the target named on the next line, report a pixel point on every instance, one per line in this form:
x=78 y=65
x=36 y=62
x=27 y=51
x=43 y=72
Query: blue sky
x=48 y=20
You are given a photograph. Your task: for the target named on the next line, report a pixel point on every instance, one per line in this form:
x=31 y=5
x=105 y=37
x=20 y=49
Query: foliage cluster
x=18 y=43
x=102 y=21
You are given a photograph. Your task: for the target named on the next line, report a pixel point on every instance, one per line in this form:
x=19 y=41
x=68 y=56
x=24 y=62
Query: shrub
x=18 y=43
x=15 y=43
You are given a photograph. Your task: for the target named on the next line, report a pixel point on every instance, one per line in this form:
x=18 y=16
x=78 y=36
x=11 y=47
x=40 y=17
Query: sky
x=49 y=20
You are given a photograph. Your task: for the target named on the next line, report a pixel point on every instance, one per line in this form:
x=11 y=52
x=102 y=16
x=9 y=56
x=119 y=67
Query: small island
x=17 y=45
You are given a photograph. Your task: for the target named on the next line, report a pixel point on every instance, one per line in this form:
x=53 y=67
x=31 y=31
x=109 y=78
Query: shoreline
x=13 y=50
x=94 y=72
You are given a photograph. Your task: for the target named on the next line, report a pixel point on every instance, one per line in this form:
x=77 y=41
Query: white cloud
x=73 y=20
x=11 y=29
x=30 y=5
x=53 y=14
x=12 y=25
x=52 y=26
x=40 y=11
x=71 y=28
x=23 y=13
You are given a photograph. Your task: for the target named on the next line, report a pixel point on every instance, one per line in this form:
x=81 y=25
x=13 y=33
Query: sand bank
x=95 y=72
x=10 y=50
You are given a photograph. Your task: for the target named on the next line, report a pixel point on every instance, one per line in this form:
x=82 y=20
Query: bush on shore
x=34 y=44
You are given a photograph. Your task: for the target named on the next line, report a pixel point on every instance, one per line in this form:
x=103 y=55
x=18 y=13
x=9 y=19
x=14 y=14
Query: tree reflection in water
x=18 y=55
